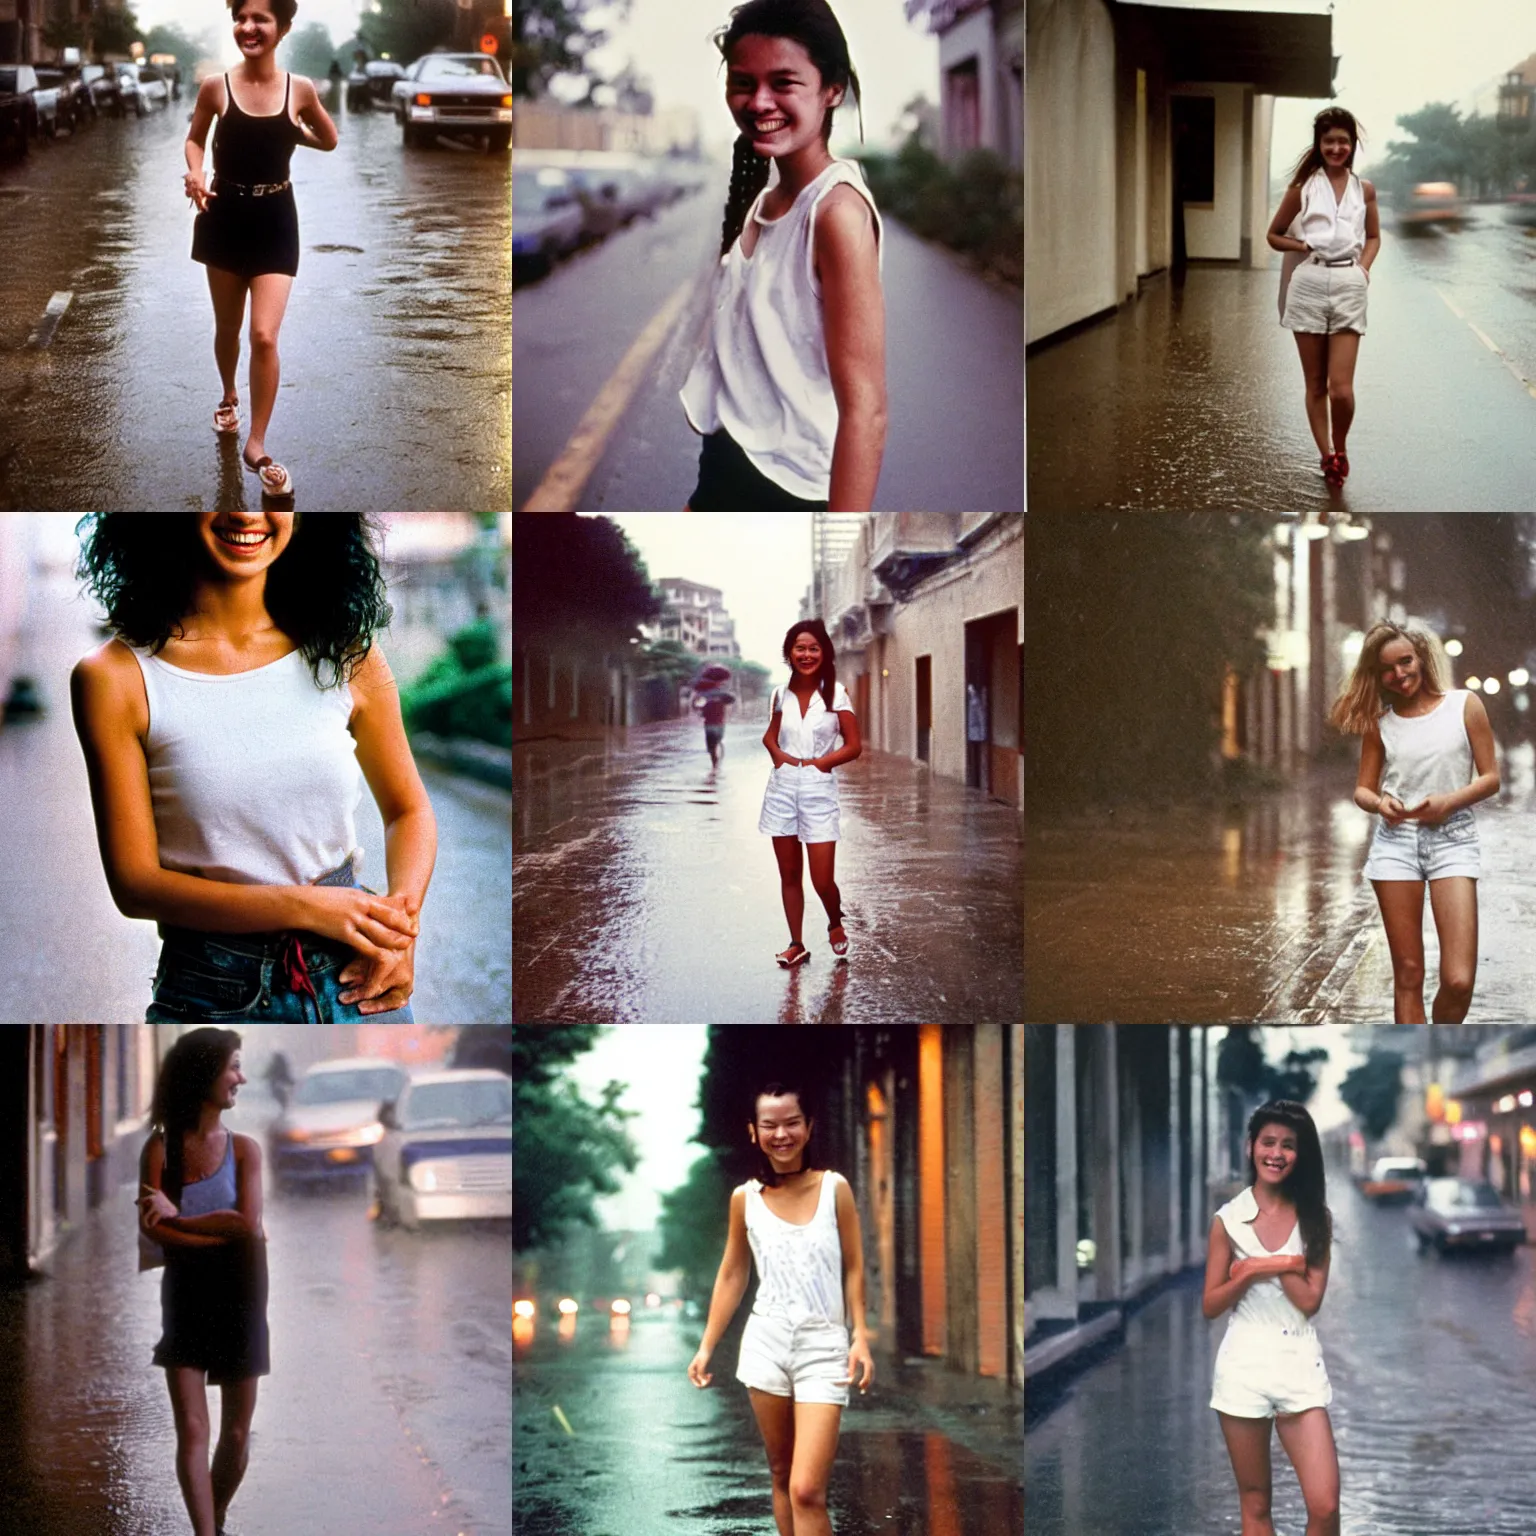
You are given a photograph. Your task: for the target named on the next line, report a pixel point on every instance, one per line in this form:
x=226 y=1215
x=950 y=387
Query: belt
x=252 y=188
x=1324 y=261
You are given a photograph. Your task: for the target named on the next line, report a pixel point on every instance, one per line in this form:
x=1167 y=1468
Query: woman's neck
x=1423 y=696
x=802 y=686
x=799 y=170
x=234 y=611
x=208 y=1120
x=262 y=70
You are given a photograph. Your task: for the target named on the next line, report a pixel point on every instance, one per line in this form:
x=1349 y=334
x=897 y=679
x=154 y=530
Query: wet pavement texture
x=954 y=369
x=395 y=347
x=1191 y=396
x=644 y=893
x=387 y=1410
x=1195 y=914
x=1430 y=1359
x=67 y=954
x=925 y=1453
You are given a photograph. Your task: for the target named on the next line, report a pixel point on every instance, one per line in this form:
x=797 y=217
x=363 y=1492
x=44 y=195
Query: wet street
x=1191 y=396
x=386 y=1411
x=922 y=1454
x=1430 y=1360
x=395 y=347
x=644 y=893
x=1196 y=915
x=67 y=953
x=954 y=369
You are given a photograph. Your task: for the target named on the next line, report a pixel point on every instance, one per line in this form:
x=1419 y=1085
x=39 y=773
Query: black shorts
x=730 y=482
x=248 y=236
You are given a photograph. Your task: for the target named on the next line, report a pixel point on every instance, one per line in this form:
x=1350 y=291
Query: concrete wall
x=1213 y=232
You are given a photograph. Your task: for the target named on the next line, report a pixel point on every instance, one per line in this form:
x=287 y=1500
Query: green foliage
x=1483 y=159
x=64 y=32
x=1371 y=1092
x=114 y=29
x=464 y=692
x=406 y=29
x=308 y=51
x=669 y=659
x=1242 y=1066
x=693 y=1224
x=475 y=645
x=554 y=37
x=578 y=581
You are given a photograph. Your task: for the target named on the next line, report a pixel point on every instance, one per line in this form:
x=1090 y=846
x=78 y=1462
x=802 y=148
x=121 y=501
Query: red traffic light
x=488 y=43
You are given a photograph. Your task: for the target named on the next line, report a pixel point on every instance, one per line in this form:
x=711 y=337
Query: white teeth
x=247 y=540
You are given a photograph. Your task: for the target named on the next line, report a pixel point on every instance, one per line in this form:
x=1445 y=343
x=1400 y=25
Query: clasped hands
x=155 y=1206
x=1262 y=1266
x=1431 y=810
x=783 y=760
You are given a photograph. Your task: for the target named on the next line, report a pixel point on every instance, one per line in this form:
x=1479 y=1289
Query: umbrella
x=714 y=673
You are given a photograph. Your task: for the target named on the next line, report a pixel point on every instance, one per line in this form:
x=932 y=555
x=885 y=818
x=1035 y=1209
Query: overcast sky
x=661 y=1064
x=197 y=16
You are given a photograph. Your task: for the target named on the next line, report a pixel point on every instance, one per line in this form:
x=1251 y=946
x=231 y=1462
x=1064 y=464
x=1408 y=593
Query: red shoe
x=1342 y=460
x=1331 y=471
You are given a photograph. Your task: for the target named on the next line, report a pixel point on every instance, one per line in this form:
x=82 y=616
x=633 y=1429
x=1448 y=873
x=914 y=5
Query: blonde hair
x=1361 y=702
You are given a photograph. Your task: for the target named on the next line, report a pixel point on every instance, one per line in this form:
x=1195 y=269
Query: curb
x=474 y=759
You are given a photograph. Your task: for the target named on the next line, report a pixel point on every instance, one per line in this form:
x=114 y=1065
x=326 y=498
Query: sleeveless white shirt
x=1427 y=754
x=817 y=731
x=1333 y=228
x=253 y=776
x=1264 y=1302
x=799 y=1269
x=762 y=373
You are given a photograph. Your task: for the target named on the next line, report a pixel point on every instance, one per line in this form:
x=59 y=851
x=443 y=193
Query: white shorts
x=800 y=802
x=1324 y=299
x=1263 y=1369
x=1413 y=850
x=804 y=1361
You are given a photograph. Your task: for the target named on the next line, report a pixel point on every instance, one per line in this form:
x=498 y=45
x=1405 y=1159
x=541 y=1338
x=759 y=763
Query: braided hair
x=811 y=24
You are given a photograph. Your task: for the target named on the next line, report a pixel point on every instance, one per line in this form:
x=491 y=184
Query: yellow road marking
x=566 y=478
x=1482 y=337
x=565 y=1423
x=1450 y=303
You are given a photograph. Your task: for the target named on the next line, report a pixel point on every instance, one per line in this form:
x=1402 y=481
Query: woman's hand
x=1392 y=810
x=197 y=189
x=375 y=926
x=698 y=1368
x=1432 y=810
x=155 y=1206
x=860 y=1358
x=821 y=766
x=378 y=986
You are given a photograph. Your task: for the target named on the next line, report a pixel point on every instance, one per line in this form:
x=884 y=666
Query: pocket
x=1460 y=827
x=195 y=994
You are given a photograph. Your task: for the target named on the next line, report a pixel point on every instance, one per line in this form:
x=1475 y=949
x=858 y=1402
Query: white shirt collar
x=1244 y=1206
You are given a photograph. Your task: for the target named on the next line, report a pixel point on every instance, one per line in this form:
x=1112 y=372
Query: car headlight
x=1453 y=1229
x=423 y=1178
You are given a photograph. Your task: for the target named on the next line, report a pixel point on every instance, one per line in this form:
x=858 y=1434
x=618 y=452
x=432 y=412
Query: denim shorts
x=258 y=978
x=1414 y=851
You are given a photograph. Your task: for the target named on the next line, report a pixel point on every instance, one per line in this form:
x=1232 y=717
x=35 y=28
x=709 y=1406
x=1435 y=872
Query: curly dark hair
x=325 y=590
x=190 y=1069
x=826 y=677
x=283 y=10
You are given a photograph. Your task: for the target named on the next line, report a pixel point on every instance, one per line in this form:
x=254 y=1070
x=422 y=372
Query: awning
x=1277 y=52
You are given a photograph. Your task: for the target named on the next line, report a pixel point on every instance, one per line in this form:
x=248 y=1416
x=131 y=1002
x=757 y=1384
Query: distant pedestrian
x=200 y=1202
x=279 y=1076
x=811 y=729
x=247 y=227
x=788 y=391
x=800 y=1225
x=1267 y=1260
x=1426 y=758
x=227 y=729
x=713 y=703
x=1329 y=224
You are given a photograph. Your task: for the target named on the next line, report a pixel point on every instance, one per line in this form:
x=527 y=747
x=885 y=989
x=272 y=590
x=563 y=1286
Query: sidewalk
x=1191 y=397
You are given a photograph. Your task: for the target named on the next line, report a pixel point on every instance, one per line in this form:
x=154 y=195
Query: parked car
x=18 y=106
x=447 y=1149
x=141 y=87
x=1465 y=1213
x=331 y=1125
x=454 y=93
x=1393 y=1179
x=371 y=85
x=547 y=219
x=74 y=103
x=102 y=84
x=1430 y=205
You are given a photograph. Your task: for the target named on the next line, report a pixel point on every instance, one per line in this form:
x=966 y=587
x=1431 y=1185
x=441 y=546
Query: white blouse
x=1333 y=227
x=816 y=732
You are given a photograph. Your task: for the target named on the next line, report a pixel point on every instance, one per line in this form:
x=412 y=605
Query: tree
x=403 y=30
x=1242 y=1065
x=114 y=29
x=567 y=1150
x=1371 y=1092
x=578 y=579
x=554 y=37
x=310 y=51
x=188 y=50
x=669 y=659
x=692 y=1225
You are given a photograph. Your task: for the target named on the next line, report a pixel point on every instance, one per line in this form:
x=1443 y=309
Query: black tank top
x=254 y=150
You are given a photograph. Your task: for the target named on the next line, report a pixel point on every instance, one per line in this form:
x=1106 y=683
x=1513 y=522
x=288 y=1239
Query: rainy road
x=954 y=369
x=1431 y=1362
x=1191 y=396
x=396 y=354
x=649 y=1452
x=644 y=893
x=1192 y=915
x=387 y=1408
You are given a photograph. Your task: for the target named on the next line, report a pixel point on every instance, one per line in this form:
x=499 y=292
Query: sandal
x=796 y=954
x=226 y=418
x=275 y=480
x=1341 y=460
x=839 y=946
x=1331 y=472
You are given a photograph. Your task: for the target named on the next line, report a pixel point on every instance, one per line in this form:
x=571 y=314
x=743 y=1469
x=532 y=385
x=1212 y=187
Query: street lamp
x=1519 y=678
x=1474 y=683
x=1490 y=685
x=1453 y=647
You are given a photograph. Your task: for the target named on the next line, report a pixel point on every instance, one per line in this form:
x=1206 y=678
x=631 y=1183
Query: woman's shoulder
x=840 y=699
x=108 y=680
x=245 y=1146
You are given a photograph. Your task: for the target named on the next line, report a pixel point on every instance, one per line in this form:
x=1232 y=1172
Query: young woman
x=811 y=729
x=1268 y=1262
x=200 y=1201
x=789 y=388
x=247 y=228
x=224 y=729
x=1329 y=224
x=797 y=1358
x=1426 y=758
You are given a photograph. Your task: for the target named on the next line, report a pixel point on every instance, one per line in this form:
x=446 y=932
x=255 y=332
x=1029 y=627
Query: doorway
x=924 y=708
x=992 y=713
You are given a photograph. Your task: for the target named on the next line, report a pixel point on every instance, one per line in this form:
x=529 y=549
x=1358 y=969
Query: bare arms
x=1227 y=1277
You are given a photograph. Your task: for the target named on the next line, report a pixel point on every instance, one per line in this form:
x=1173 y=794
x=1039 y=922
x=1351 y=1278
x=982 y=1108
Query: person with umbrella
x=711 y=698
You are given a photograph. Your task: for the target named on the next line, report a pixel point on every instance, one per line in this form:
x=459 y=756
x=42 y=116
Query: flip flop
x=226 y=419
x=275 y=480
x=796 y=954
x=839 y=946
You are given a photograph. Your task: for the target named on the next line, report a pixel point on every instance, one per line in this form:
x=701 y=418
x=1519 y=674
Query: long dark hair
x=763 y=1170
x=191 y=1067
x=1306 y=1185
x=826 y=678
x=811 y=24
x=1312 y=160
x=325 y=590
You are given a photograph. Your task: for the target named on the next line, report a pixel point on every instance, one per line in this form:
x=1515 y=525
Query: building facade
x=981 y=75
x=696 y=617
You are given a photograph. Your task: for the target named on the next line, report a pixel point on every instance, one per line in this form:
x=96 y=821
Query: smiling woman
x=227 y=729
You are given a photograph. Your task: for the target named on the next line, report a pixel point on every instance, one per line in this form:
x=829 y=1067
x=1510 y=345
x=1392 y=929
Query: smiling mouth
x=252 y=539
x=769 y=125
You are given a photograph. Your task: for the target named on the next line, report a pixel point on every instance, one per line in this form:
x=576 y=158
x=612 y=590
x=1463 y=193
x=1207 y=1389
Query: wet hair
x=764 y=1169
x=1361 y=701
x=325 y=590
x=1312 y=159
x=826 y=678
x=811 y=24
x=1306 y=1184
x=283 y=10
x=187 y=1075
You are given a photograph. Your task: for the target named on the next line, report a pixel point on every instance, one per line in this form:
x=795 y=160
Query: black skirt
x=213 y=1311
x=248 y=235
x=730 y=482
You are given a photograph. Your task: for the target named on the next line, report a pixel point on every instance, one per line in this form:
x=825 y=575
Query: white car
x=453 y=93
x=447 y=1149
x=141 y=86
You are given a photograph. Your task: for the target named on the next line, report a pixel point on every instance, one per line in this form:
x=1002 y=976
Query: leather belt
x=250 y=189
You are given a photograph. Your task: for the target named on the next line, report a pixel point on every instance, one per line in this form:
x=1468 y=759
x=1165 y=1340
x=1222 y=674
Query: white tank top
x=253 y=776
x=799 y=1269
x=1264 y=1302
x=1334 y=229
x=762 y=373
x=1427 y=754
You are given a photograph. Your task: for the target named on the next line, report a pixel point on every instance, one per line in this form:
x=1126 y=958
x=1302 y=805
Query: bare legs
x=823 y=861
x=1314 y=367
x=269 y=298
x=1328 y=366
x=207 y=1493
x=1308 y=1441
x=1453 y=901
x=801 y=1440
x=228 y=293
